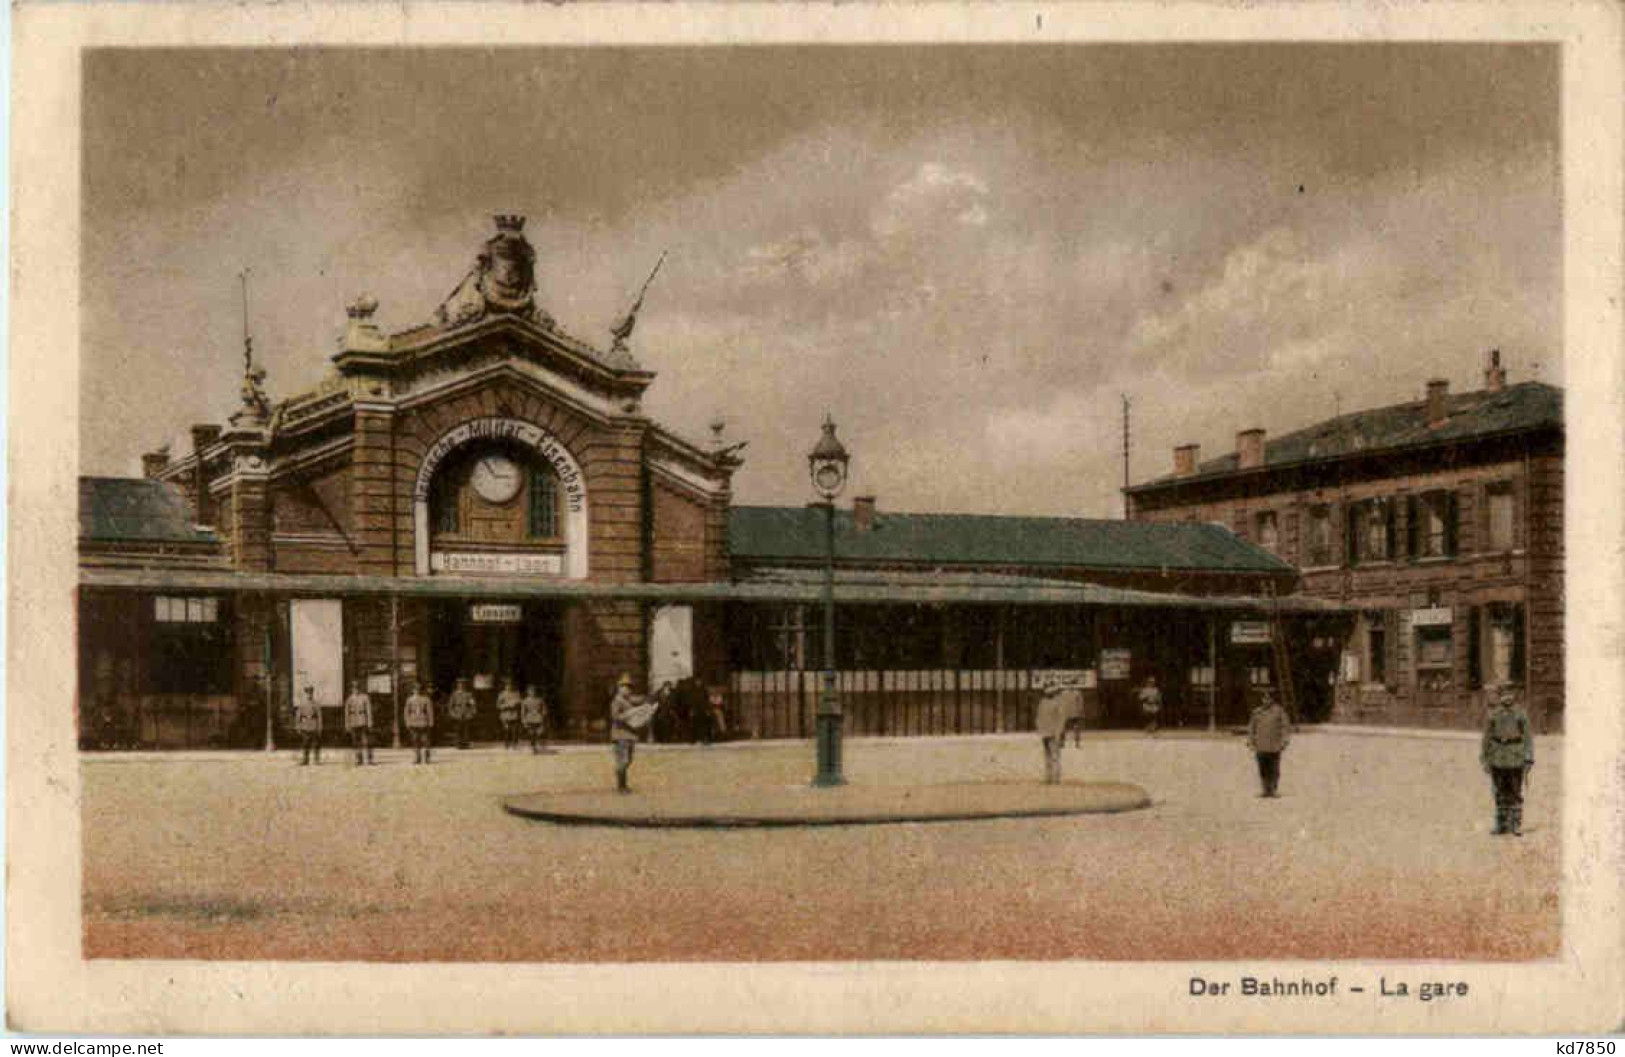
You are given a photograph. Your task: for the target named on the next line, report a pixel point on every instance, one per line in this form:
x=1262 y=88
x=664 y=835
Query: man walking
x=533 y=713
x=1507 y=754
x=508 y=712
x=460 y=707
x=1268 y=731
x=358 y=722
x=307 y=720
x=419 y=716
x=1051 y=721
x=1150 y=703
x=627 y=716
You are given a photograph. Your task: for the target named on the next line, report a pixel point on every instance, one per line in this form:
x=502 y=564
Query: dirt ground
x=1378 y=848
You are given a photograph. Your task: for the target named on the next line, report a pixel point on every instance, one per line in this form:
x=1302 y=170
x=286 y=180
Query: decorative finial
x=718 y=424
x=513 y=222
x=362 y=307
x=256 y=409
x=623 y=332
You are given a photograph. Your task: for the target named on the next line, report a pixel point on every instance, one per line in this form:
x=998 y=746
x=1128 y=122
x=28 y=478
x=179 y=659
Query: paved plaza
x=1378 y=848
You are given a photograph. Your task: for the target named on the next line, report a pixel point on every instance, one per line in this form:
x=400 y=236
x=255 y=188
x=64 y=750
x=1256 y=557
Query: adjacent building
x=482 y=497
x=1438 y=521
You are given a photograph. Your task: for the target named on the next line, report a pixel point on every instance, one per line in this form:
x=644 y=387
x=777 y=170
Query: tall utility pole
x=1125 y=456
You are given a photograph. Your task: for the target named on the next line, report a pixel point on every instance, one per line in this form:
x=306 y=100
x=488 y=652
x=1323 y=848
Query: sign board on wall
x=496 y=613
x=1249 y=632
x=317 y=633
x=500 y=563
x=1438 y=616
x=1114 y=663
x=378 y=683
x=1065 y=678
x=671 y=645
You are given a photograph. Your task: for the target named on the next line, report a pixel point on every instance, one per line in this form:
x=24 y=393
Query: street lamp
x=826 y=464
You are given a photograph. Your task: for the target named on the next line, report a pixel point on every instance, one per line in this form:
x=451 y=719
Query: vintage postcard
x=815 y=519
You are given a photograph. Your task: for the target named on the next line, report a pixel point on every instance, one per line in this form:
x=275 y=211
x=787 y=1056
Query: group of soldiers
x=1506 y=750
x=517 y=712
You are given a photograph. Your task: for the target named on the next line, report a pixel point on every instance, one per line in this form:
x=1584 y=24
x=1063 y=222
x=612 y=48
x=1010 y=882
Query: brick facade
x=1480 y=581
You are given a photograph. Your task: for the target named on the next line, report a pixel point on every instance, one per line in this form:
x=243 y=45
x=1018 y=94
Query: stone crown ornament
x=503 y=280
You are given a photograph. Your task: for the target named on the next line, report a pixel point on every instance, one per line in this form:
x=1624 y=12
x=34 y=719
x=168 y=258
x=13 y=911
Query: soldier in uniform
x=1054 y=710
x=533 y=713
x=307 y=720
x=358 y=721
x=419 y=716
x=508 y=712
x=1268 y=731
x=1507 y=753
x=460 y=707
x=624 y=721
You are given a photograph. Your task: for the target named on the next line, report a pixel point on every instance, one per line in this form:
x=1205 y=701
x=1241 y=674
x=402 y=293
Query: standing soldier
x=508 y=712
x=1150 y=703
x=626 y=717
x=1507 y=753
x=358 y=721
x=307 y=719
x=533 y=713
x=460 y=707
x=419 y=715
x=1268 y=731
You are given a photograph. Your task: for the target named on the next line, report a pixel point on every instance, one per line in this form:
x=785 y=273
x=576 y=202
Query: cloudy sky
x=966 y=254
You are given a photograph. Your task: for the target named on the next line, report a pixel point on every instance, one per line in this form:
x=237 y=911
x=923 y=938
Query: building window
x=191 y=648
x=443 y=505
x=544 y=503
x=167 y=609
x=1431 y=521
x=1496 y=644
x=1371 y=531
x=1259 y=675
x=1501 y=516
x=1266 y=531
x=1435 y=657
x=1376 y=650
x=788 y=642
x=1318 y=537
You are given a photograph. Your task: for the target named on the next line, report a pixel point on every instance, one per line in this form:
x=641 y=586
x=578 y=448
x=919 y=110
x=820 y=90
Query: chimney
x=154 y=463
x=1250 y=448
x=1185 y=459
x=1495 y=376
x=1438 y=394
x=863 y=513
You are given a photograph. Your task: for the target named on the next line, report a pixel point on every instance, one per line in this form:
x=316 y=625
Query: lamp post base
x=829 y=751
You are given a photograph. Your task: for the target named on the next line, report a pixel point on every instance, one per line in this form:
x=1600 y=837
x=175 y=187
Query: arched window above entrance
x=496 y=494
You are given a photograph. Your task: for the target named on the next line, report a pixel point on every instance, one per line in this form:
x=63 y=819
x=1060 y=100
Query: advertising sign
x=1114 y=663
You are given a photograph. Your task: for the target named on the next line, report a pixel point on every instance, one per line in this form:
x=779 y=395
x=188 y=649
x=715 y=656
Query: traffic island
x=803 y=805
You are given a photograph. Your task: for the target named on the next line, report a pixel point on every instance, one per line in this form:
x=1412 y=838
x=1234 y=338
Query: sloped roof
x=1470 y=416
x=134 y=509
x=767 y=534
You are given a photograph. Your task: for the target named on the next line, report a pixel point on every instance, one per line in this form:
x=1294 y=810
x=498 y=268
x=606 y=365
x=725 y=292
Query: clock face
x=496 y=478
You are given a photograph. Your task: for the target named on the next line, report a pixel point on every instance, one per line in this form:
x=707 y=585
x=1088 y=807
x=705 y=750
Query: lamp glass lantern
x=827 y=462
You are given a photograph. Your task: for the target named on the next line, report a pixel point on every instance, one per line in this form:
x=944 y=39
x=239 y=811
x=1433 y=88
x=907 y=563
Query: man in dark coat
x=307 y=720
x=1507 y=753
x=358 y=721
x=460 y=707
x=1268 y=731
x=419 y=716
